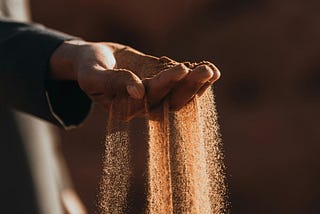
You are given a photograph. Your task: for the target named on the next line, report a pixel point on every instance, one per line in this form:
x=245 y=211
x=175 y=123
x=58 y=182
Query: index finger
x=159 y=86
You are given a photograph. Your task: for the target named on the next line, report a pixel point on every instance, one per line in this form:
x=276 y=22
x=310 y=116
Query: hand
x=113 y=74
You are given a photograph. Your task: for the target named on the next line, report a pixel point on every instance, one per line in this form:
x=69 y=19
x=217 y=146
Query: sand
x=185 y=159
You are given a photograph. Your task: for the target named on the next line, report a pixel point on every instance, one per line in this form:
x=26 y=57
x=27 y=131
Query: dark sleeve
x=25 y=50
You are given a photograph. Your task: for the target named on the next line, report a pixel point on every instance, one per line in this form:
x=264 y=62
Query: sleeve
x=25 y=51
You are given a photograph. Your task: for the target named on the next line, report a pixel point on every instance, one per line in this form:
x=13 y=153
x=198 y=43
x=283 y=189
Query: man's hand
x=112 y=74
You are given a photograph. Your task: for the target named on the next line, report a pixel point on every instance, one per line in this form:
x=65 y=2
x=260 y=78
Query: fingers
x=111 y=83
x=160 y=85
x=196 y=81
x=215 y=77
x=125 y=91
x=106 y=87
x=136 y=91
x=216 y=72
x=121 y=82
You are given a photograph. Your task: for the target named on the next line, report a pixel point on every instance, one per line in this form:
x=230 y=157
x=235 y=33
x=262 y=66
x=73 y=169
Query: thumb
x=125 y=81
x=136 y=90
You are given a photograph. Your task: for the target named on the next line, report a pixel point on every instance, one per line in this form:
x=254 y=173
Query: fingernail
x=140 y=90
x=134 y=92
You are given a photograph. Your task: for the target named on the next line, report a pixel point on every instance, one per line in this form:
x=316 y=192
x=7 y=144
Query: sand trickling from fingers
x=196 y=172
x=160 y=181
x=185 y=162
x=116 y=168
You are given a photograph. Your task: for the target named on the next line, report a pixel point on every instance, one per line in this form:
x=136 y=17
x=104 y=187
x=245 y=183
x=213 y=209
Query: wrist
x=62 y=60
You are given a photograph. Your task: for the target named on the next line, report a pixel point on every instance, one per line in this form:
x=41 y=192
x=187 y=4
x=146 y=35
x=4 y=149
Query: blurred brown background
x=268 y=98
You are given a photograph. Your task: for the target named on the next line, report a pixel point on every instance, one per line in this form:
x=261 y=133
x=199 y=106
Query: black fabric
x=68 y=102
x=25 y=50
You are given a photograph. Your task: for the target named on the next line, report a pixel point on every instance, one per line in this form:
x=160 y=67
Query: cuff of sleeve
x=26 y=54
x=67 y=102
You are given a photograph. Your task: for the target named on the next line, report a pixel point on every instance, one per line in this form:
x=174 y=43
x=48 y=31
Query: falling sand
x=185 y=162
